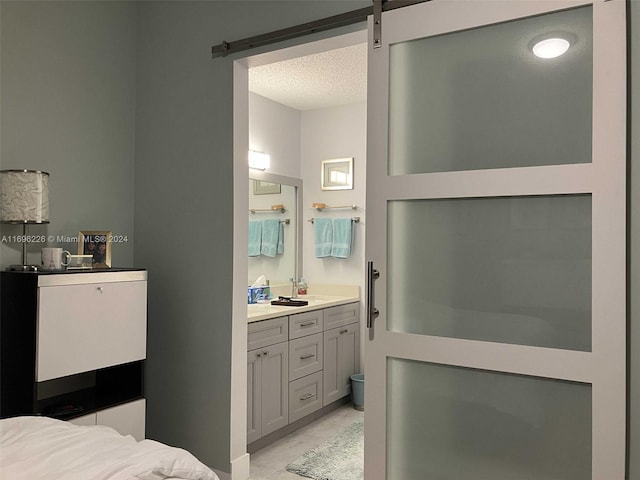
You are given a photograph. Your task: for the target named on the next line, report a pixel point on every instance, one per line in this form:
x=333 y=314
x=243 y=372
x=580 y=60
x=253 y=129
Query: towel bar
x=323 y=206
x=274 y=208
x=353 y=219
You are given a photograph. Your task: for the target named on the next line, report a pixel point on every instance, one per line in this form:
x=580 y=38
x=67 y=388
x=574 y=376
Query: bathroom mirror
x=275 y=197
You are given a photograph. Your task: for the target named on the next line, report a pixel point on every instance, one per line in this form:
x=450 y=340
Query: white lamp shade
x=24 y=196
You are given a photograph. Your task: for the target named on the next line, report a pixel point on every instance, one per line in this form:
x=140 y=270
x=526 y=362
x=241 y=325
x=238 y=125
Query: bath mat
x=339 y=458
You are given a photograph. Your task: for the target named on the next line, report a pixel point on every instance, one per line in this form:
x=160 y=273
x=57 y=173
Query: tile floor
x=269 y=463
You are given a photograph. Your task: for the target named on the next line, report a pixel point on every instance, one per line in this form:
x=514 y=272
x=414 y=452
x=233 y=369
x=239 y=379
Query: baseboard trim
x=292 y=427
x=223 y=475
x=240 y=467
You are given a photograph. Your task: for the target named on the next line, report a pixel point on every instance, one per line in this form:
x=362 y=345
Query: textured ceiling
x=323 y=80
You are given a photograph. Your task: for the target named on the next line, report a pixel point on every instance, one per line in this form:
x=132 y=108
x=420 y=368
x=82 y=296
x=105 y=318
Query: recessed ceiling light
x=551 y=47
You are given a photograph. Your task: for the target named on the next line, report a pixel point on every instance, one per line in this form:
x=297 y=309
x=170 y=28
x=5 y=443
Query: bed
x=39 y=448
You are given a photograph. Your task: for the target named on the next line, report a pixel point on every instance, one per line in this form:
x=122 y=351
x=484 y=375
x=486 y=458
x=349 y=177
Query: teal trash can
x=357 y=390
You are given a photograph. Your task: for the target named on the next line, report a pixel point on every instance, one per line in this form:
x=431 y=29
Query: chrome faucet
x=294 y=288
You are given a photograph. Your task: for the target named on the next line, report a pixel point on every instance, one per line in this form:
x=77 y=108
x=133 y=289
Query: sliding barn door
x=496 y=230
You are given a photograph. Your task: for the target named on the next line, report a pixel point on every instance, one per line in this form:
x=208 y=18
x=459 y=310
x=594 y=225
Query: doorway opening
x=318 y=113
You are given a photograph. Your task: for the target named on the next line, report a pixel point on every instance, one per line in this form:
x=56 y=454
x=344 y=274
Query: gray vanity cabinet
x=298 y=364
x=341 y=315
x=305 y=364
x=305 y=396
x=305 y=356
x=307 y=323
x=267 y=377
x=341 y=351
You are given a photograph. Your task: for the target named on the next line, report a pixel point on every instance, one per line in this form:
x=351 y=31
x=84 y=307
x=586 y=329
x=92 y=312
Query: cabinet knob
x=100 y=289
x=343 y=331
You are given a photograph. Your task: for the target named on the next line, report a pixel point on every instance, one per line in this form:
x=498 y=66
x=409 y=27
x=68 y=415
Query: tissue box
x=256 y=294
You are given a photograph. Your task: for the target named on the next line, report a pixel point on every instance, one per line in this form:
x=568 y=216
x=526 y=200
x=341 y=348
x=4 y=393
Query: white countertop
x=319 y=296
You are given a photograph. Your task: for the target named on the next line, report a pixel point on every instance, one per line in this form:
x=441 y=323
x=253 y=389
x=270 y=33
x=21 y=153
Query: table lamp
x=24 y=199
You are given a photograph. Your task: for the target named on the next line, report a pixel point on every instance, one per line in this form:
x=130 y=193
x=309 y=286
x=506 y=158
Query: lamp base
x=23 y=268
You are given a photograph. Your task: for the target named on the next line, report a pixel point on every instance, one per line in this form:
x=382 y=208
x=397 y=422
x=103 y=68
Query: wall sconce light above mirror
x=259 y=160
x=337 y=174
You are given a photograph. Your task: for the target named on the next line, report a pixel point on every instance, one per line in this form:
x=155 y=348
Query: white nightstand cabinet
x=73 y=346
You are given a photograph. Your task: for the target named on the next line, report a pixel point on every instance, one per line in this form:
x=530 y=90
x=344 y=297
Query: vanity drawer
x=305 y=396
x=341 y=315
x=268 y=332
x=306 y=323
x=305 y=356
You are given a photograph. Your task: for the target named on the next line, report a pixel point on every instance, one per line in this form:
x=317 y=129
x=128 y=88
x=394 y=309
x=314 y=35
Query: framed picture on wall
x=337 y=174
x=98 y=245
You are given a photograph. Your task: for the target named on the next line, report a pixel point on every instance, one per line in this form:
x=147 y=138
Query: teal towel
x=323 y=235
x=280 y=238
x=255 y=238
x=342 y=237
x=272 y=238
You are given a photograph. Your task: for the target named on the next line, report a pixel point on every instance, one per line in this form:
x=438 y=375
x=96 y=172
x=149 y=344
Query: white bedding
x=41 y=448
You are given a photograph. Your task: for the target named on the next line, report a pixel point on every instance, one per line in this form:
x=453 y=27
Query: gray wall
x=68 y=107
x=74 y=77
x=184 y=176
x=275 y=129
x=334 y=133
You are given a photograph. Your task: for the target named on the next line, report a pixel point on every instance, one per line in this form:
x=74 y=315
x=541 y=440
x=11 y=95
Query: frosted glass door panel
x=479 y=98
x=451 y=423
x=509 y=269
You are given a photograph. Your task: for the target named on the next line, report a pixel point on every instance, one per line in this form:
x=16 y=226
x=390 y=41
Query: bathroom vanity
x=299 y=361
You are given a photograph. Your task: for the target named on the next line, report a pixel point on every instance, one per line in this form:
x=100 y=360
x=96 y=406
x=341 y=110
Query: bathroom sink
x=316 y=298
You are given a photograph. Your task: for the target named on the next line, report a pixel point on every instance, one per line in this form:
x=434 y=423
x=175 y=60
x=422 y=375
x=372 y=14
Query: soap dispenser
x=302 y=287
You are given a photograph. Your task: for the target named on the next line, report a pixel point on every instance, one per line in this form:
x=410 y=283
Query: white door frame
x=238 y=427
